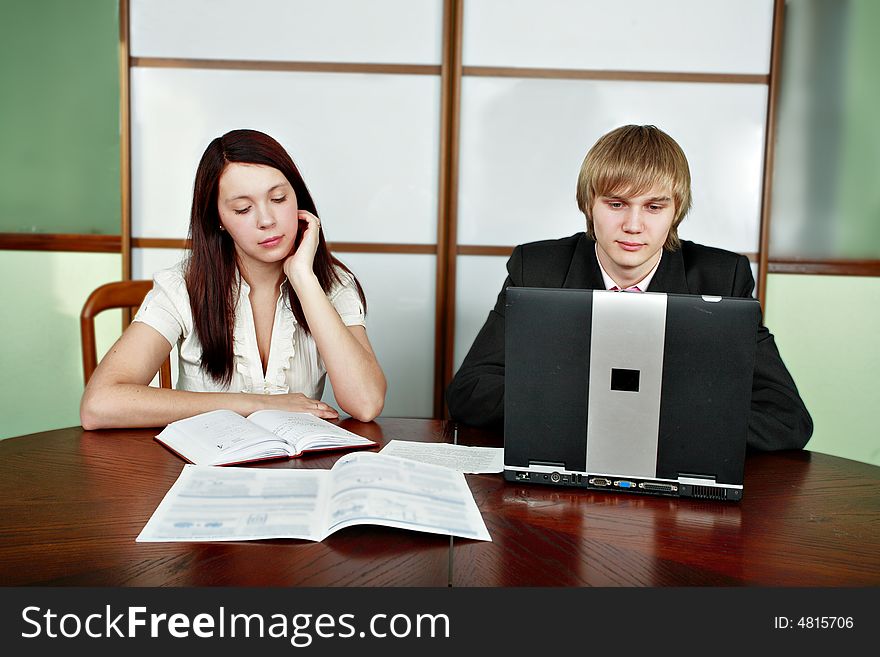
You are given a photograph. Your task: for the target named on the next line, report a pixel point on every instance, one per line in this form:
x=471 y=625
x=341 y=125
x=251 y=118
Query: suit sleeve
x=779 y=419
x=476 y=394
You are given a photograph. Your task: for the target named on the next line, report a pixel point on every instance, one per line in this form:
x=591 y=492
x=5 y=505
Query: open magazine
x=226 y=438
x=238 y=504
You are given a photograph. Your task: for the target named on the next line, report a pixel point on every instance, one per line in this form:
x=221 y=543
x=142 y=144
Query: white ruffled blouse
x=294 y=364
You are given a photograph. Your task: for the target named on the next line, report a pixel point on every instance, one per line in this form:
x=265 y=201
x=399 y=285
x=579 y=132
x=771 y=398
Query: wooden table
x=73 y=501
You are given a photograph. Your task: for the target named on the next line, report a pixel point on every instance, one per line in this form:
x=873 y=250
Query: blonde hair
x=629 y=161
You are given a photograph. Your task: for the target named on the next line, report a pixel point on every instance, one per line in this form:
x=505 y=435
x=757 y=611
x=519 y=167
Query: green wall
x=825 y=202
x=827 y=328
x=59 y=172
x=859 y=230
x=59 y=116
x=41 y=358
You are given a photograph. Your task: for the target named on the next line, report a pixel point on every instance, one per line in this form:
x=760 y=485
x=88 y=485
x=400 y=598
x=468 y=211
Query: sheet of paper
x=371 y=488
x=225 y=504
x=463 y=458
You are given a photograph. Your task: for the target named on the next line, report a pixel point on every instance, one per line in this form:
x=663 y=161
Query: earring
x=222 y=229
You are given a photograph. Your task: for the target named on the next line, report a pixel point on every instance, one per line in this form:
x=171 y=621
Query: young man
x=635 y=189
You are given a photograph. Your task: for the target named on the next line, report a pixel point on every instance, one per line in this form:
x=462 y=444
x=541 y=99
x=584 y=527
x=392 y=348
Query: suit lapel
x=584 y=272
x=670 y=276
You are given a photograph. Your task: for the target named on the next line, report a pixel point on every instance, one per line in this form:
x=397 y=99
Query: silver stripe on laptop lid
x=626 y=376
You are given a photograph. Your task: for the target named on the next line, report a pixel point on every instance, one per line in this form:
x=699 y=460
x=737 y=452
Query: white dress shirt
x=294 y=364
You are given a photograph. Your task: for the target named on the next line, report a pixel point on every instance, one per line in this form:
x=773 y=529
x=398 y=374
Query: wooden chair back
x=124 y=294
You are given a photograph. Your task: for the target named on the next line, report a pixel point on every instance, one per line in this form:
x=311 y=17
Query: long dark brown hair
x=211 y=272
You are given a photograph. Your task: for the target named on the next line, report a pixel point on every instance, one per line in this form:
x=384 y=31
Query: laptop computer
x=629 y=392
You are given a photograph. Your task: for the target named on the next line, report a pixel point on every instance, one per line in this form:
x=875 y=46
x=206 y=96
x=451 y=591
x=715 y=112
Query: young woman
x=260 y=310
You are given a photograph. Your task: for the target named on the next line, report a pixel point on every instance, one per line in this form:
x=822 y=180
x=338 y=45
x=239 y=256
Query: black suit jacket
x=779 y=419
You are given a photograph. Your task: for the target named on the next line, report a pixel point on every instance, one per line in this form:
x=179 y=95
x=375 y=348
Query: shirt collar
x=243 y=284
x=641 y=285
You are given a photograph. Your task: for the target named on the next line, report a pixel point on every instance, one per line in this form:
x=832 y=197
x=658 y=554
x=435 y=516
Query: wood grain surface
x=72 y=503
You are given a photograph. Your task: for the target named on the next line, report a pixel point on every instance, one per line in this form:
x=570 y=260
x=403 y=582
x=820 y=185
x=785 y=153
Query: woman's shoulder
x=345 y=280
x=166 y=307
x=172 y=280
x=347 y=298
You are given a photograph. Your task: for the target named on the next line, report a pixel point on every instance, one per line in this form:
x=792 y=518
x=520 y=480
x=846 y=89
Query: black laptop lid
x=547 y=361
x=685 y=414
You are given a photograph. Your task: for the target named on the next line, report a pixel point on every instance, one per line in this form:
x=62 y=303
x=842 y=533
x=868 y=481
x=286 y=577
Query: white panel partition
x=523 y=142
x=706 y=36
x=478 y=280
x=400 y=322
x=146 y=262
x=366 y=145
x=378 y=31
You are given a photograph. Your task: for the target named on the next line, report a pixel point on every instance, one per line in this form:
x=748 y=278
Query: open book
x=238 y=504
x=226 y=438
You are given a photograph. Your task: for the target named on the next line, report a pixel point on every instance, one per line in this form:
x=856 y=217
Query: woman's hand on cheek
x=300 y=263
